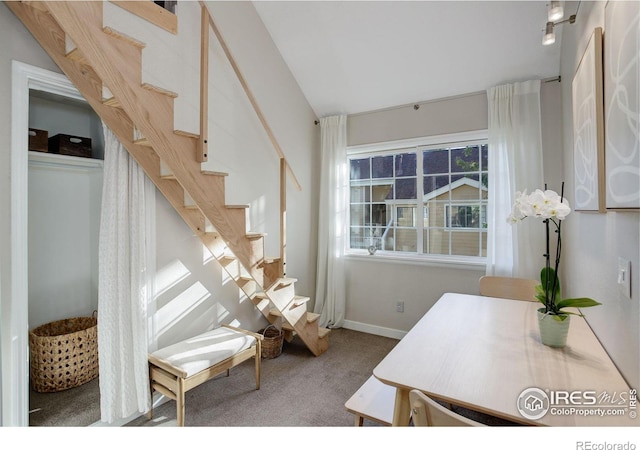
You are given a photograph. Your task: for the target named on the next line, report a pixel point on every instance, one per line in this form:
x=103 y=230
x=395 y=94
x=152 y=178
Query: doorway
x=15 y=345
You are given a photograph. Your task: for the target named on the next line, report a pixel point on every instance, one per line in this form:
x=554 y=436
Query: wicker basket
x=272 y=342
x=63 y=354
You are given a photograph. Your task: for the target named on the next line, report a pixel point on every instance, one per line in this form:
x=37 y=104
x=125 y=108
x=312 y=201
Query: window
x=428 y=199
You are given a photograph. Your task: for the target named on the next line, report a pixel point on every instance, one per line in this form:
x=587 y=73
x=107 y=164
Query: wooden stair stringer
x=294 y=312
x=152 y=112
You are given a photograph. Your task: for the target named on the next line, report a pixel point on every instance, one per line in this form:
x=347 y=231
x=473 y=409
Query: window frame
x=418 y=145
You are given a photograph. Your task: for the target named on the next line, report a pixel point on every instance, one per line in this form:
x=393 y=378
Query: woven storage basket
x=272 y=342
x=63 y=354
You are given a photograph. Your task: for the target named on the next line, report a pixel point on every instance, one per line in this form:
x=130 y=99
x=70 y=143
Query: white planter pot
x=553 y=332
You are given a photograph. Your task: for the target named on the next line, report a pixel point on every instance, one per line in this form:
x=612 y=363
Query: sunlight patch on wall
x=170 y=275
x=181 y=306
x=222 y=313
x=207 y=256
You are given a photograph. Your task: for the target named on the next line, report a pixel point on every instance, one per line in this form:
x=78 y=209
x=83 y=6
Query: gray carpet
x=297 y=390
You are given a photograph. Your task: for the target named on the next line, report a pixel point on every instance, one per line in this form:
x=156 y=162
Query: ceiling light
x=556 y=12
x=549 y=36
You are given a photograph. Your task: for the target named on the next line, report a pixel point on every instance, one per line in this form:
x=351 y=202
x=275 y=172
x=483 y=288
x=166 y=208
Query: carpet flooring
x=297 y=390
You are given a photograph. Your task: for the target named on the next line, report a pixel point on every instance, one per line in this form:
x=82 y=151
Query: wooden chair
x=508 y=287
x=175 y=369
x=428 y=413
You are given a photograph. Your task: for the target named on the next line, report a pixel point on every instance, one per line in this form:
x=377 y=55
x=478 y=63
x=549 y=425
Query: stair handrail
x=250 y=96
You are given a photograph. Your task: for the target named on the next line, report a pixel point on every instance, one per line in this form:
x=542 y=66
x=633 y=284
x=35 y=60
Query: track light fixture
x=549 y=36
x=556 y=11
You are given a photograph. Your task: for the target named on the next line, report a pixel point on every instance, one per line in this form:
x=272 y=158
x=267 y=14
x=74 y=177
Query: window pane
x=359 y=237
x=360 y=194
x=436 y=213
x=360 y=169
x=382 y=167
x=388 y=241
x=435 y=161
x=406 y=216
x=484 y=158
x=434 y=183
x=468 y=243
x=406 y=240
x=405 y=165
x=465 y=159
x=382 y=192
x=436 y=241
x=360 y=215
x=379 y=215
x=406 y=188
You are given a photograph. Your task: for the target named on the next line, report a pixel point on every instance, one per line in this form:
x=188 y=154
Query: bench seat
x=373 y=401
x=177 y=368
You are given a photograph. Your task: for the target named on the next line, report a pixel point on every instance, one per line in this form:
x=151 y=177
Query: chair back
x=509 y=287
x=428 y=413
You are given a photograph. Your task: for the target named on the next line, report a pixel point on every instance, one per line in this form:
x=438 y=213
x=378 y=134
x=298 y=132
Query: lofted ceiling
x=355 y=56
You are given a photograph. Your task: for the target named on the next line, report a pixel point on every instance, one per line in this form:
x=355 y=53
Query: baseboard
x=374 y=329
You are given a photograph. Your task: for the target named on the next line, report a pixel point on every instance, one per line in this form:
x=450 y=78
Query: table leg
x=402 y=409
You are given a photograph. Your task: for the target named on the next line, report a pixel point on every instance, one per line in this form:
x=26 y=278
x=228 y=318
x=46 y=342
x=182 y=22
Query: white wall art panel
x=588 y=133
x=622 y=98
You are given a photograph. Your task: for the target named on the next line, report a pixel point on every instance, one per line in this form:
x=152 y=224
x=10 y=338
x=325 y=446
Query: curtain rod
x=417 y=105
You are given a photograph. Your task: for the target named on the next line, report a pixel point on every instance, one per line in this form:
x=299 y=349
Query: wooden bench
x=176 y=369
x=373 y=401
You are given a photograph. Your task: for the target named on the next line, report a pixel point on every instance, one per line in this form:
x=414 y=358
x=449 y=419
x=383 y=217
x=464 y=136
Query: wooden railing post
x=202 y=155
x=283 y=216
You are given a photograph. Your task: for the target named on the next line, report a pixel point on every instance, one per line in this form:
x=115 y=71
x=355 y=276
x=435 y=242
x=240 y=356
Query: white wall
x=374 y=286
x=64 y=219
x=593 y=242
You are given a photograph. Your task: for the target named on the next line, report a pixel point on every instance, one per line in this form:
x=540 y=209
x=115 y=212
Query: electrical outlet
x=400 y=307
x=624 y=276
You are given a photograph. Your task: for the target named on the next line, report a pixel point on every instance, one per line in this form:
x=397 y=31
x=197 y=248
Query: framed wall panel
x=621 y=103
x=588 y=128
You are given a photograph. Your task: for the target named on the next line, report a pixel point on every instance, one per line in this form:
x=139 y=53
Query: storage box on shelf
x=65 y=144
x=38 y=140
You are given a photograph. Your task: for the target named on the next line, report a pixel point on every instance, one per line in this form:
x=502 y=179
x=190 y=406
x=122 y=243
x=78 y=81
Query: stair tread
x=163 y=91
x=119 y=35
x=111 y=101
x=237 y=206
x=76 y=55
x=323 y=332
x=142 y=141
x=186 y=134
x=212 y=172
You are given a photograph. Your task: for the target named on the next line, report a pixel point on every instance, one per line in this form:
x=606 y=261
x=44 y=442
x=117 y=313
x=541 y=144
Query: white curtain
x=127 y=265
x=515 y=164
x=332 y=228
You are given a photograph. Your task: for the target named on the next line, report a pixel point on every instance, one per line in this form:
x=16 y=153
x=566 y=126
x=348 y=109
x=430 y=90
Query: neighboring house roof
x=464 y=181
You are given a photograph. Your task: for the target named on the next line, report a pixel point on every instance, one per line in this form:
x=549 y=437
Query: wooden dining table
x=485 y=354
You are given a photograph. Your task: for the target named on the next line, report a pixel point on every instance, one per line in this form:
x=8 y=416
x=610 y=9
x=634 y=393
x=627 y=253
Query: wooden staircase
x=101 y=60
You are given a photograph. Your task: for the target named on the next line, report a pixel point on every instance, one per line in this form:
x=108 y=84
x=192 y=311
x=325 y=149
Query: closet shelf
x=53 y=159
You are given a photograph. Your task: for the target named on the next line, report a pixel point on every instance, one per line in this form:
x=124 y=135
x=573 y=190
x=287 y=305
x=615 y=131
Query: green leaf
x=577 y=303
x=548 y=273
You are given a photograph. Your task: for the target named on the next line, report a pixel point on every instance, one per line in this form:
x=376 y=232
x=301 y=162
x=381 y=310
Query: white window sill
x=449 y=262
